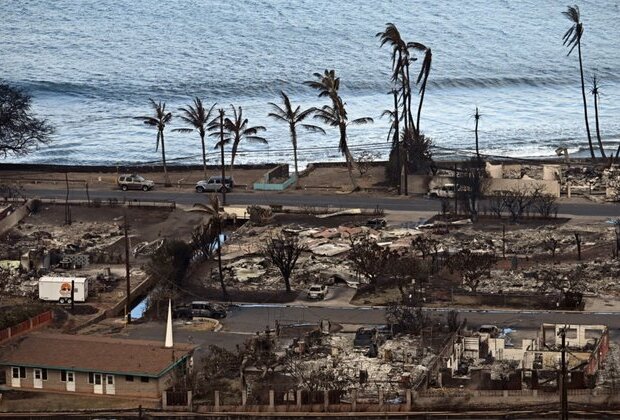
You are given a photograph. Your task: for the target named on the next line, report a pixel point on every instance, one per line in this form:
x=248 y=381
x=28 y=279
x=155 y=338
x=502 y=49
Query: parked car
x=207 y=310
x=444 y=191
x=134 y=182
x=182 y=312
x=317 y=291
x=214 y=184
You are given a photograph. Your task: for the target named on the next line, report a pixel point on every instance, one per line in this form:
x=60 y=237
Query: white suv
x=445 y=191
x=214 y=184
x=317 y=291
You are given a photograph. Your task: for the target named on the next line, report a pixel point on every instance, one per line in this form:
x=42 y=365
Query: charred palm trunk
x=294 y=141
x=222 y=157
x=225 y=296
x=585 y=105
x=396 y=143
x=347 y=154
x=598 y=129
x=163 y=158
x=204 y=153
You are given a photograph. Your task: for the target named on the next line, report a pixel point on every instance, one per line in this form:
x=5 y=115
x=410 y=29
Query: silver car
x=214 y=184
x=135 y=182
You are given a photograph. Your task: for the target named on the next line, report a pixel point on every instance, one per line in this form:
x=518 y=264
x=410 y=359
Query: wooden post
x=409 y=400
x=72 y=295
x=272 y=399
x=326 y=399
x=354 y=400
x=504 y=241
x=381 y=399
x=216 y=400
x=298 y=398
x=244 y=397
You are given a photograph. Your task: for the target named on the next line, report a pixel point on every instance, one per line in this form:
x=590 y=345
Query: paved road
x=308 y=199
x=249 y=318
x=244 y=321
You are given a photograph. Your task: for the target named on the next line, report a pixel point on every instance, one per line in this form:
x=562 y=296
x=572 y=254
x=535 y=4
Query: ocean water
x=92 y=65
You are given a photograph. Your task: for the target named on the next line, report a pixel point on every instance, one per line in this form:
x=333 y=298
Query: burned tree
x=368 y=258
x=472 y=186
x=551 y=244
x=170 y=262
x=424 y=245
x=545 y=204
x=20 y=131
x=204 y=240
x=471 y=266
x=406 y=272
x=570 y=285
x=283 y=251
x=408 y=319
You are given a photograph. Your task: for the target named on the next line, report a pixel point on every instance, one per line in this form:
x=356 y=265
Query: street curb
x=438 y=309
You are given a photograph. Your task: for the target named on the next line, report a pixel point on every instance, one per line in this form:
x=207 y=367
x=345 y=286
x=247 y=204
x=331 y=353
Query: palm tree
x=400 y=67
x=477 y=118
x=394 y=135
x=159 y=120
x=214 y=210
x=595 y=92
x=286 y=114
x=237 y=129
x=198 y=118
x=216 y=127
x=423 y=75
x=572 y=39
x=336 y=115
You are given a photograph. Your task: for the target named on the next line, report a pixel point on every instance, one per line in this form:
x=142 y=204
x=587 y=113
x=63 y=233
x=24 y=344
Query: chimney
x=169 y=343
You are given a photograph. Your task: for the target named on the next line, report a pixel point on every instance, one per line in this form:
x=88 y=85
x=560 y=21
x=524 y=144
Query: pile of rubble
x=324 y=261
x=600 y=278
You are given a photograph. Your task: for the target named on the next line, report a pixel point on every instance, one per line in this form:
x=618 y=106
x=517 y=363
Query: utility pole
x=396 y=142
x=222 y=156
x=72 y=296
x=564 y=378
x=67 y=208
x=127 y=277
x=456 y=188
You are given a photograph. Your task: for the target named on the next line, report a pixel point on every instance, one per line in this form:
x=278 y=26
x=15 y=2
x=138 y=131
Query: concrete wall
x=500 y=299
x=123 y=387
x=420 y=184
x=14 y=218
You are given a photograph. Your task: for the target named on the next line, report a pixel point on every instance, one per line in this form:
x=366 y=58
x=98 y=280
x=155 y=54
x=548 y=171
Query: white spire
x=169 y=343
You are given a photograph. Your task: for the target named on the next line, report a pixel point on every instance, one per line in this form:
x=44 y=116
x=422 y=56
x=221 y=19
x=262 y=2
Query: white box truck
x=58 y=289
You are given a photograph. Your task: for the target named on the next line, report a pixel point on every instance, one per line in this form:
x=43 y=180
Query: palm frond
x=362 y=121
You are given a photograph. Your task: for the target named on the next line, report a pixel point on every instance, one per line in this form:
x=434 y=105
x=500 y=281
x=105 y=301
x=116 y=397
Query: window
x=37 y=374
x=128 y=378
x=44 y=374
x=70 y=377
x=15 y=372
x=22 y=372
x=110 y=379
x=91 y=380
x=97 y=378
x=63 y=376
x=144 y=379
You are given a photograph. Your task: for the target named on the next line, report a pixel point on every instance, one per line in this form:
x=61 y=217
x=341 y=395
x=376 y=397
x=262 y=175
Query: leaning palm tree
x=572 y=39
x=214 y=211
x=293 y=118
x=422 y=76
x=198 y=118
x=596 y=92
x=238 y=130
x=159 y=121
x=336 y=115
